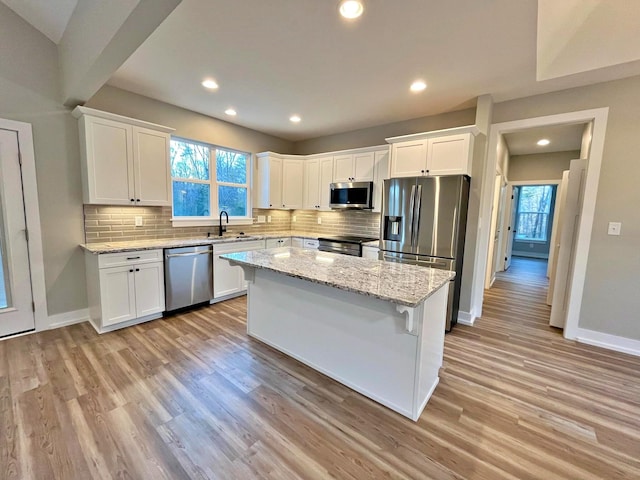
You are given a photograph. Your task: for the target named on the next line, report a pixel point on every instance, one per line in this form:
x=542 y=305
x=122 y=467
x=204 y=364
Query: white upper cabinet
x=445 y=152
x=356 y=167
x=381 y=173
x=280 y=181
x=292 y=183
x=318 y=175
x=124 y=161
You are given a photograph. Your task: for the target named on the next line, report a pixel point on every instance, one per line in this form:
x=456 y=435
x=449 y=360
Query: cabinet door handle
x=137 y=199
x=137 y=269
x=133 y=258
x=270 y=205
x=133 y=199
x=131 y=271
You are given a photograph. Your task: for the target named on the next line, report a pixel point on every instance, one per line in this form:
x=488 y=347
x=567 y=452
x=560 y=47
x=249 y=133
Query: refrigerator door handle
x=412 y=204
x=416 y=216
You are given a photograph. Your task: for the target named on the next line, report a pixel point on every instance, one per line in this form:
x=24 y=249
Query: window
x=533 y=214
x=202 y=188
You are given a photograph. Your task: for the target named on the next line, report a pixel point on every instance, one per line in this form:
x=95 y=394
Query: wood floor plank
x=192 y=396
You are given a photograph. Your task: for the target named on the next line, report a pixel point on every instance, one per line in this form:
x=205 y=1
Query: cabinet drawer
x=238 y=246
x=129 y=258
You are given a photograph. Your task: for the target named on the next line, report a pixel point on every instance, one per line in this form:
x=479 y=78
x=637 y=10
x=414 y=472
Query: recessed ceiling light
x=295 y=118
x=418 y=86
x=231 y=111
x=543 y=142
x=210 y=84
x=351 y=8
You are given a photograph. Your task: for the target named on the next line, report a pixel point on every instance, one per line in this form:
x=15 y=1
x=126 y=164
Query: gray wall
x=376 y=135
x=540 y=166
x=188 y=124
x=610 y=301
x=29 y=93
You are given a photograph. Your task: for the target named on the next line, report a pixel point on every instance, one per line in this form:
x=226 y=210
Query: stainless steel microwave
x=351 y=195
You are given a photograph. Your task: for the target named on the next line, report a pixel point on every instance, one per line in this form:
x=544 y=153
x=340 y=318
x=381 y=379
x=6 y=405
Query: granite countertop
x=118 y=247
x=399 y=283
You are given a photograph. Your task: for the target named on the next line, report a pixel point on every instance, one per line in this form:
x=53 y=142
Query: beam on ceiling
x=99 y=37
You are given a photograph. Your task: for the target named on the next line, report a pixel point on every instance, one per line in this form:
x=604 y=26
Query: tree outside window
x=198 y=192
x=533 y=214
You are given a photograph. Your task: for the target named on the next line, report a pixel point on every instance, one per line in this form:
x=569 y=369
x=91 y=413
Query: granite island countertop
x=152 y=244
x=399 y=283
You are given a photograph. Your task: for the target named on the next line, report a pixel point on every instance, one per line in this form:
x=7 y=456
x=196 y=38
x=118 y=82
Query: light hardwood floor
x=191 y=396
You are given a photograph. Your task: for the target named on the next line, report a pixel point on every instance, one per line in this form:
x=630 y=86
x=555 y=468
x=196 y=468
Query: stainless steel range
x=347 y=245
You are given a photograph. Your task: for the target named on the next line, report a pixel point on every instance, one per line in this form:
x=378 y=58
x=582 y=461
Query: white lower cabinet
x=370 y=252
x=278 y=242
x=297 y=242
x=124 y=288
x=229 y=280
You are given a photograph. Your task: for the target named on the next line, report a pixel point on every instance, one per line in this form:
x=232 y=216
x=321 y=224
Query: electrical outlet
x=319 y=220
x=294 y=218
x=614 y=228
x=268 y=218
x=138 y=220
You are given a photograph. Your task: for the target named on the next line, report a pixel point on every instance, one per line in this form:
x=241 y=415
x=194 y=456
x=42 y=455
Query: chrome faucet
x=222 y=228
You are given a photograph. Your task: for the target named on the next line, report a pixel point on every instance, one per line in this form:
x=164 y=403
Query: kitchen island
x=377 y=327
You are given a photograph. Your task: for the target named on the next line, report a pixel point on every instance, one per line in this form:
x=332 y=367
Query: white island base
x=385 y=351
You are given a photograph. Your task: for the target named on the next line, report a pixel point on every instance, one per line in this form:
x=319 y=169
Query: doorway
x=597 y=119
x=22 y=292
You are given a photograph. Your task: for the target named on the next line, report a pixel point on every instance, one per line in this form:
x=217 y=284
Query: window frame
x=214 y=207
x=549 y=214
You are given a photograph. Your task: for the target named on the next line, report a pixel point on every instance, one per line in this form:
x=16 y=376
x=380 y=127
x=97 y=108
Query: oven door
x=340 y=247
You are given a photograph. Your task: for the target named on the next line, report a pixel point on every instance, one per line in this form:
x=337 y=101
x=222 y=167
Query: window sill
x=208 y=222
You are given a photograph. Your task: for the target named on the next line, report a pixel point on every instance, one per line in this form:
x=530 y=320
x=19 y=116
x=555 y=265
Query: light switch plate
x=138 y=220
x=294 y=218
x=319 y=220
x=262 y=219
x=614 y=228
x=268 y=218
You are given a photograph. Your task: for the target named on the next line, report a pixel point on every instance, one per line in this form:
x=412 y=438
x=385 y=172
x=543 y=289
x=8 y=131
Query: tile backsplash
x=351 y=222
x=112 y=224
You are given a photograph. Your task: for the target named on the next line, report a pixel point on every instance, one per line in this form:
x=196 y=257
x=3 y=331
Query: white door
x=151 y=166
x=408 y=159
x=227 y=279
x=16 y=301
x=363 y=166
x=275 y=183
x=448 y=155
x=493 y=246
x=326 y=177
x=554 y=248
x=511 y=228
x=343 y=168
x=311 y=184
x=566 y=253
x=292 y=183
x=149 y=282
x=118 y=294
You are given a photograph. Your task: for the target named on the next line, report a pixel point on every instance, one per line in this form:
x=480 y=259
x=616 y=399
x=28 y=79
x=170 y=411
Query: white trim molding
x=32 y=217
x=68 y=318
x=599 y=117
x=608 y=341
x=466 y=318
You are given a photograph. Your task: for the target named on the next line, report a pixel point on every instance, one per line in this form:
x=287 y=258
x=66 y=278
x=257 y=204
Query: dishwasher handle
x=190 y=254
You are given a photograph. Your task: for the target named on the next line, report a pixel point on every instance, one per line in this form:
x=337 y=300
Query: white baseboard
x=68 y=318
x=544 y=256
x=606 y=340
x=466 y=318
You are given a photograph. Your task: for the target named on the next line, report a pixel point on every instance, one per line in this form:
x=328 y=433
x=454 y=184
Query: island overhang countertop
x=403 y=284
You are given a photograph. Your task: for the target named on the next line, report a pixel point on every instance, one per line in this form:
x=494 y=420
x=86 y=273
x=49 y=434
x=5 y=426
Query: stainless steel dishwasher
x=188 y=276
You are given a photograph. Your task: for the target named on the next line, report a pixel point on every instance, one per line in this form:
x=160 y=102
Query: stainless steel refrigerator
x=423 y=223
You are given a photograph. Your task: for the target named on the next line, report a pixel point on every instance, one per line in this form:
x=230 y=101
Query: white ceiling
x=48 y=16
x=279 y=57
x=562 y=138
